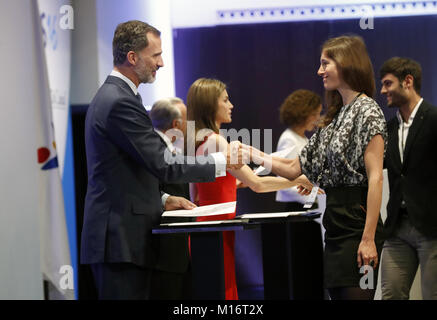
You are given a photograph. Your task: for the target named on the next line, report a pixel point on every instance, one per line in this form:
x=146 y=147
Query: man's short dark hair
x=400 y=68
x=130 y=36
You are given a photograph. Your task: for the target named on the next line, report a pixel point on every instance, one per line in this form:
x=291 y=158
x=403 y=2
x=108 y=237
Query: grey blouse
x=338 y=149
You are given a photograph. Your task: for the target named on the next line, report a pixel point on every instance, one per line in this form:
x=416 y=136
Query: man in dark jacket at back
x=411 y=225
x=171 y=278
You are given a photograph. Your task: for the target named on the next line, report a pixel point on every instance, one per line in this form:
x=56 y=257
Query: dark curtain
x=263 y=63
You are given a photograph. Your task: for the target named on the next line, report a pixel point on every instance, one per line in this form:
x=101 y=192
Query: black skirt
x=344 y=222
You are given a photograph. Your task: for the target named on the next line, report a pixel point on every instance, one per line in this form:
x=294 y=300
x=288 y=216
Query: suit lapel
x=393 y=142
x=121 y=83
x=127 y=89
x=414 y=129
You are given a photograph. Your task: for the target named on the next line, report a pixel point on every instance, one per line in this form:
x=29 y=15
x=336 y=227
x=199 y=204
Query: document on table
x=201 y=223
x=275 y=214
x=279 y=154
x=203 y=211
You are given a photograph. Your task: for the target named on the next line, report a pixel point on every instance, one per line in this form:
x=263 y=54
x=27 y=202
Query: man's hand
x=235 y=158
x=177 y=203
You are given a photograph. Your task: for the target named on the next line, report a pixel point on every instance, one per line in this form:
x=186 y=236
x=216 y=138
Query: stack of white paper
x=210 y=210
x=201 y=223
x=269 y=215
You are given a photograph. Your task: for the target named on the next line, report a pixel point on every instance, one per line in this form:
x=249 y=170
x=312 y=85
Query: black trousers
x=171 y=285
x=121 y=281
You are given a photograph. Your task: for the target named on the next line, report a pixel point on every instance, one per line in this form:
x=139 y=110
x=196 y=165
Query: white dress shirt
x=404 y=127
x=132 y=85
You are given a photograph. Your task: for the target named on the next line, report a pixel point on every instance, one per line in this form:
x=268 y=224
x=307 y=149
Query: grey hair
x=164 y=111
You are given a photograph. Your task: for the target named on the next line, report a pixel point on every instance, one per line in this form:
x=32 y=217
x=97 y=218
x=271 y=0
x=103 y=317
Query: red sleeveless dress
x=223 y=189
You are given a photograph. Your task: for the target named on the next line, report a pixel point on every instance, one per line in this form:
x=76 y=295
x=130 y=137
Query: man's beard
x=144 y=75
x=397 y=99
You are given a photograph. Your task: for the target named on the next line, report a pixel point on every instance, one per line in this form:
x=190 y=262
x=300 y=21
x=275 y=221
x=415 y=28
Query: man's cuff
x=164 y=199
x=220 y=164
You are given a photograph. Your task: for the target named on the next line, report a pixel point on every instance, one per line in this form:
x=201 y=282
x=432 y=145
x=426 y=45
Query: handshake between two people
x=237 y=155
x=236 y=158
x=287 y=168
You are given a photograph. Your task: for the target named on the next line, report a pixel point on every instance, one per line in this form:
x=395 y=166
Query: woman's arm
x=267 y=183
x=248 y=178
x=373 y=159
x=287 y=168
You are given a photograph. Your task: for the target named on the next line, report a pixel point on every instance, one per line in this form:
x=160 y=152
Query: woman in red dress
x=209 y=106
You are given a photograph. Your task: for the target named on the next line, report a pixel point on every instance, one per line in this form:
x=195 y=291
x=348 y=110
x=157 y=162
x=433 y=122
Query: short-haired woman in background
x=300 y=112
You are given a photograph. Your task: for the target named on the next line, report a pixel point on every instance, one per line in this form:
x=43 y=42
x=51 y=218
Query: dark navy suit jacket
x=125 y=159
x=415 y=180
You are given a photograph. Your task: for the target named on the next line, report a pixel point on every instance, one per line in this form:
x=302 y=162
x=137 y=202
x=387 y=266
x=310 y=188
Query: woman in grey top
x=345 y=157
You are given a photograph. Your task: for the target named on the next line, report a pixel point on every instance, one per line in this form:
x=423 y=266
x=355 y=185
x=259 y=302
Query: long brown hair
x=202 y=103
x=354 y=68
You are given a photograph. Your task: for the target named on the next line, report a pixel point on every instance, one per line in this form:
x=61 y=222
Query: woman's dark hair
x=400 y=68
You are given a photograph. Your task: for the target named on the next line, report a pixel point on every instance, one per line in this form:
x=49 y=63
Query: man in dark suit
x=172 y=273
x=126 y=161
x=411 y=225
